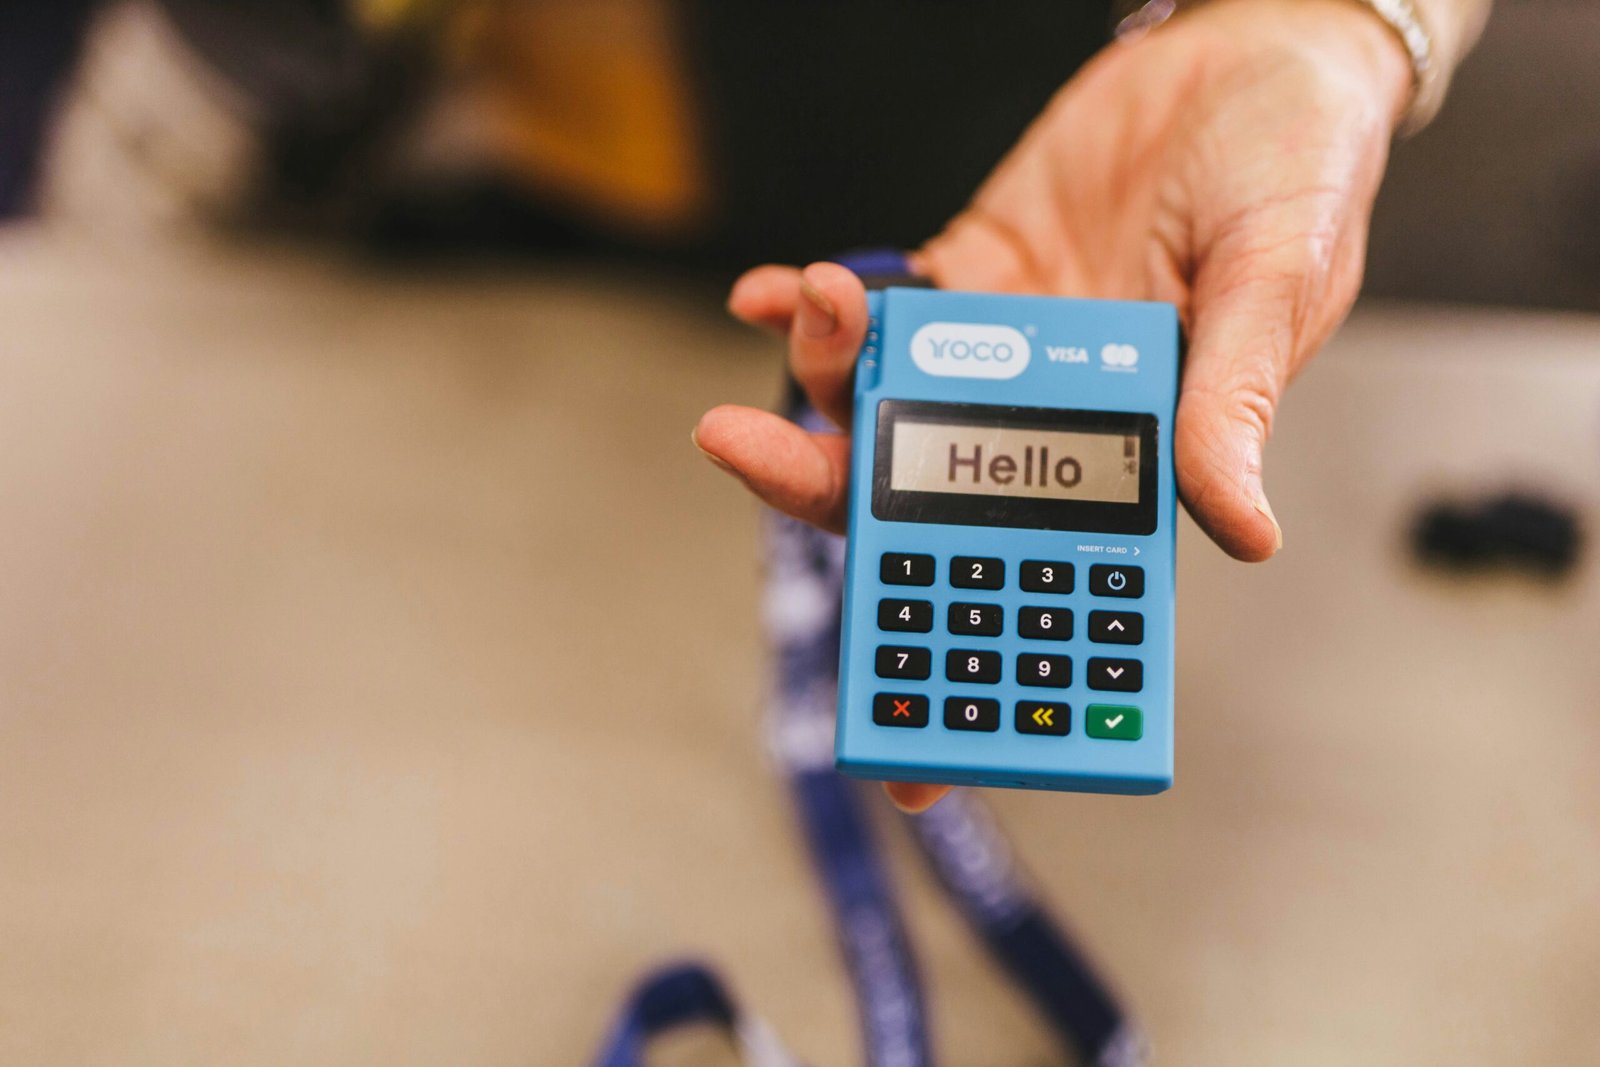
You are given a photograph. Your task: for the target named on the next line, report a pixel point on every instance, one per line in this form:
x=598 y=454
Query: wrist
x=1349 y=39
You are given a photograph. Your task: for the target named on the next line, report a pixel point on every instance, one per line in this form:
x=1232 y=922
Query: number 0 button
x=1046 y=576
x=971 y=713
x=977 y=572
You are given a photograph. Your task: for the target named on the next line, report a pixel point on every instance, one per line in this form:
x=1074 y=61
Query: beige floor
x=379 y=683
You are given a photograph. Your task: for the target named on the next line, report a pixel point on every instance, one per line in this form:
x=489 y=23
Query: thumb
x=1255 y=318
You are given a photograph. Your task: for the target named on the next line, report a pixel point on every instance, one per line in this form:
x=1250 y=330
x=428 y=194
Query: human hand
x=1226 y=163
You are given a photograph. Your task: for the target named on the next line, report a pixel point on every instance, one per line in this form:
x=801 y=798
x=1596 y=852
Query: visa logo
x=1065 y=354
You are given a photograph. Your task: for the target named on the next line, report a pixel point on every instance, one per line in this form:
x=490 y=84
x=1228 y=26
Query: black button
x=1046 y=576
x=1045 y=624
x=977 y=620
x=1116 y=627
x=906 y=616
x=1106 y=579
x=1054 y=672
x=977 y=572
x=895 y=661
x=900 y=709
x=968 y=665
x=902 y=568
x=971 y=713
x=1116 y=675
x=1040 y=717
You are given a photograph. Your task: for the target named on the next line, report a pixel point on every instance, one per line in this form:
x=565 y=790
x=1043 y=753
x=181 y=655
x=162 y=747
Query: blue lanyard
x=969 y=855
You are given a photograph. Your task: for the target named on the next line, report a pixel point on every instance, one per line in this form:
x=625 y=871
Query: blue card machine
x=1008 y=604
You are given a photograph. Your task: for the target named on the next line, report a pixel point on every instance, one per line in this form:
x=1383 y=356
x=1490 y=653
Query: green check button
x=1113 y=722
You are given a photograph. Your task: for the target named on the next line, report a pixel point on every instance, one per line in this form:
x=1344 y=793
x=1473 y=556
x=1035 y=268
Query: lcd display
x=991 y=465
x=937 y=457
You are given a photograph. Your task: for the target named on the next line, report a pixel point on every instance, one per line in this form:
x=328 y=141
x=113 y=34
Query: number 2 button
x=976 y=572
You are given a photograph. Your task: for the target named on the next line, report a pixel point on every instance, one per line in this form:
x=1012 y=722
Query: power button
x=1106 y=579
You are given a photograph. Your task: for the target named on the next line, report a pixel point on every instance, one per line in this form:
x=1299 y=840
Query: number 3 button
x=1046 y=576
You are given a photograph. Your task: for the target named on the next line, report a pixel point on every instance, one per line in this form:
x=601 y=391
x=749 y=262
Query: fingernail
x=817 y=317
x=1260 y=501
x=738 y=287
x=716 y=461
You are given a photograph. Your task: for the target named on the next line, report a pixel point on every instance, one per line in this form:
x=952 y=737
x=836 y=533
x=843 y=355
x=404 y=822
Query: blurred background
x=381 y=676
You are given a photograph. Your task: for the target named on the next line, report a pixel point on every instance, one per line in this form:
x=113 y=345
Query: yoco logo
x=970 y=350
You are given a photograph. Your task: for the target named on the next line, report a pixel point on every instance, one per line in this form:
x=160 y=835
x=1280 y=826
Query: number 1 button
x=905 y=568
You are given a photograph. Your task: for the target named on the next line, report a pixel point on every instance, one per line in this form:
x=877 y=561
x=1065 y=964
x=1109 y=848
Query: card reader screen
x=991 y=465
x=997 y=460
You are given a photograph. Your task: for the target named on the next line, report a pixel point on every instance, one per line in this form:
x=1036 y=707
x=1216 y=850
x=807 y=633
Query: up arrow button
x=1116 y=627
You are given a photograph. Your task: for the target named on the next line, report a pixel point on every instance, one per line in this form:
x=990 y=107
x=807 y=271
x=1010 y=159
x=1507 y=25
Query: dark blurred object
x=1499 y=200
x=834 y=124
x=324 y=91
x=37 y=45
x=1516 y=530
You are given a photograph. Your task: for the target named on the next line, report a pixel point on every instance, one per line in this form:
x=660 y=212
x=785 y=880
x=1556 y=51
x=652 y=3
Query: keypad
x=1053 y=672
x=972 y=665
x=977 y=572
x=977 y=620
x=972 y=713
x=1106 y=579
x=906 y=568
x=1049 y=624
x=1045 y=624
x=1116 y=627
x=897 y=661
x=900 y=709
x=1045 y=576
x=905 y=616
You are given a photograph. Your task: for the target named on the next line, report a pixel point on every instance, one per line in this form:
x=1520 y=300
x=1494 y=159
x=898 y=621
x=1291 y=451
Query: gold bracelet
x=1132 y=19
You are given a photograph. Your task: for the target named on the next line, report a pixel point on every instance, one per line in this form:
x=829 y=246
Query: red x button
x=900 y=709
